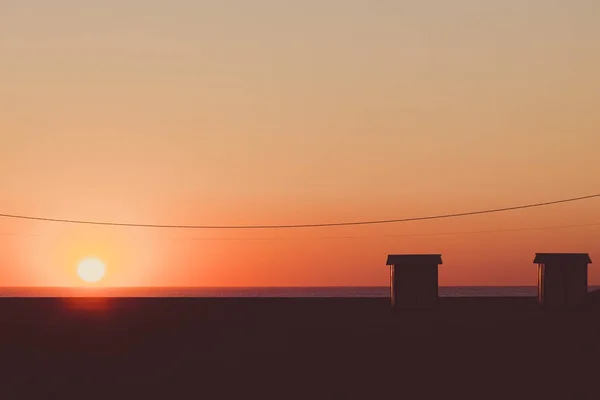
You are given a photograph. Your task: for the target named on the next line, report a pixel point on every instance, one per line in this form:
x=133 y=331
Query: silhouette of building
x=562 y=279
x=414 y=280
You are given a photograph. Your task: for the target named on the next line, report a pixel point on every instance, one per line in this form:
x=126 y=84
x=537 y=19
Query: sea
x=345 y=291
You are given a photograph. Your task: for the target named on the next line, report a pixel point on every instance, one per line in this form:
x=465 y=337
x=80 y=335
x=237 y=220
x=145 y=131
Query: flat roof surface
x=547 y=258
x=414 y=259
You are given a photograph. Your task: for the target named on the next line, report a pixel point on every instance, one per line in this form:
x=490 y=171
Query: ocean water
x=379 y=291
x=365 y=291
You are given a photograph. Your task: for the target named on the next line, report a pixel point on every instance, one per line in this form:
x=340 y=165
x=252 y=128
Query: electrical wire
x=539 y=228
x=455 y=233
x=296 y=226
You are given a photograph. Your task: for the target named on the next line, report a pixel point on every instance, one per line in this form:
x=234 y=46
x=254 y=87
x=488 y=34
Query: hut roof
x=559 y=258
x=414 y=259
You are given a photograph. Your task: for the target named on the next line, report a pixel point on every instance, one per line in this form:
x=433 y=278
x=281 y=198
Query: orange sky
x=238 y=112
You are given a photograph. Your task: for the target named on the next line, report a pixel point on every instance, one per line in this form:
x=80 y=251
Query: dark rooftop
x=547 y=258
x=414 y=259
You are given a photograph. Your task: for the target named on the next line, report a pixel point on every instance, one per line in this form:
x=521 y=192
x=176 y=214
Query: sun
x=91 y=270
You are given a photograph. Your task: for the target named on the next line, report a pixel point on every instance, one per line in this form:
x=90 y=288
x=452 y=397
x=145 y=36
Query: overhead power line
x=249 y=239
x=455 y=233
x=296 y=226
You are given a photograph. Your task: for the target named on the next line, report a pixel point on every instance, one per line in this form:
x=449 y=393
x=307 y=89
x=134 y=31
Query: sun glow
x=91 y=270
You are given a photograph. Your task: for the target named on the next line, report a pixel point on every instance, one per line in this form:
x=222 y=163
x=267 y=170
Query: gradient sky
x=244 y=112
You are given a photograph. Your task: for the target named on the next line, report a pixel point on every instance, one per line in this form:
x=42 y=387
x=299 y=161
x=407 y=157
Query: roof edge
x=545 y=258
x=414 y=259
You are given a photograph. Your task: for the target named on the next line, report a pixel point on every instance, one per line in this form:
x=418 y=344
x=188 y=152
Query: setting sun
x=91 y=270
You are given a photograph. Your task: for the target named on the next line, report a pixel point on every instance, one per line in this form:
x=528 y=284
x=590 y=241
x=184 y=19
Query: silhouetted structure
x=562 y=279
x=414 y=280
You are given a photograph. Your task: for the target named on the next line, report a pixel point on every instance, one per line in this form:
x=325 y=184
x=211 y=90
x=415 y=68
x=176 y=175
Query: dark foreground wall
x=282 y=348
